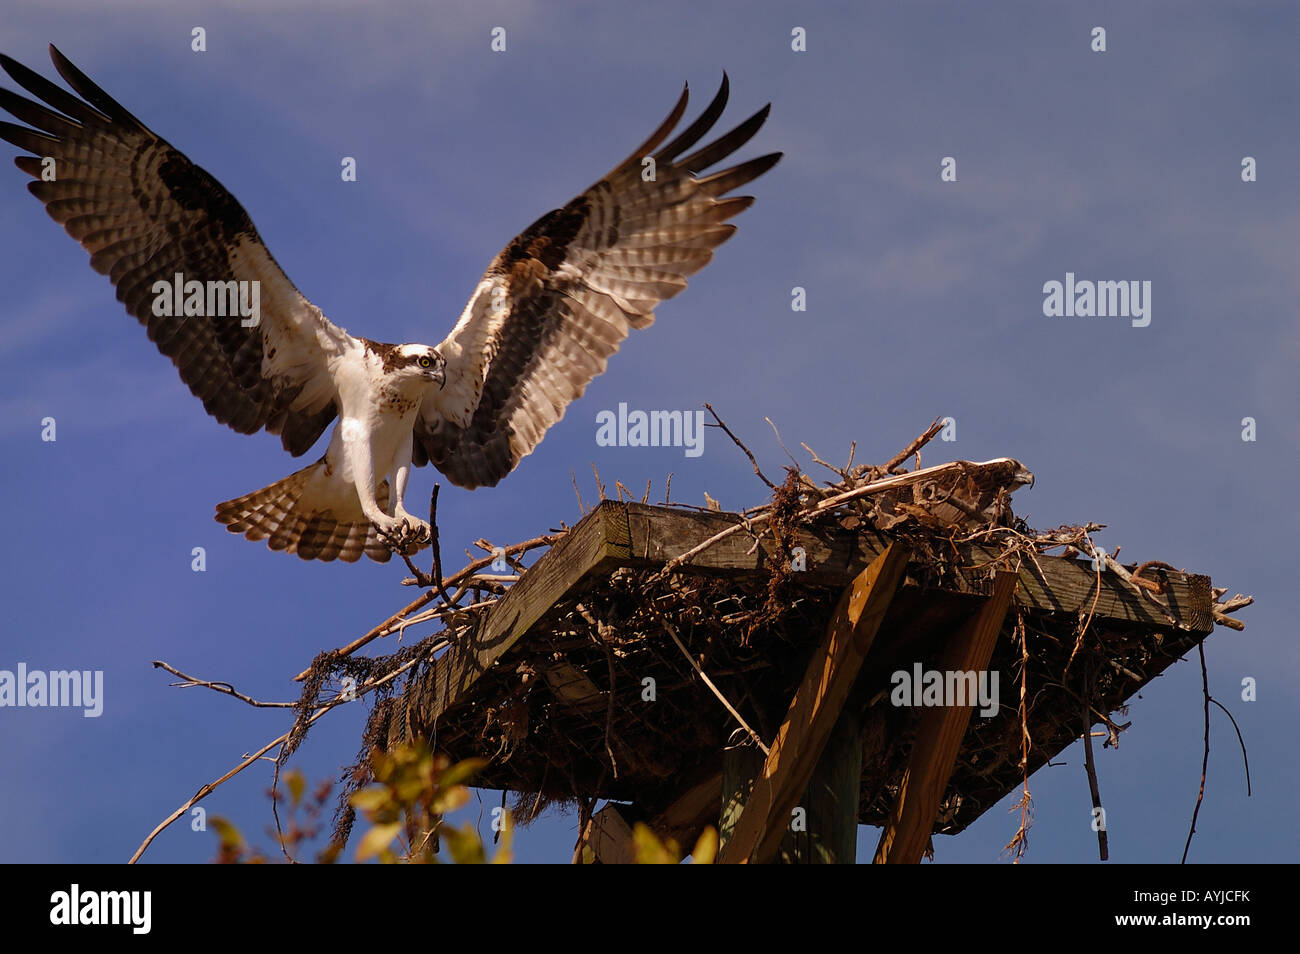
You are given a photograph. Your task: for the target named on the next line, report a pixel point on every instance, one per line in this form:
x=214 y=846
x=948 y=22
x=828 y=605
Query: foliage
x=414 y=788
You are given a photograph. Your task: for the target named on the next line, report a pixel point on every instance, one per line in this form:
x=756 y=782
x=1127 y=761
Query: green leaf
x=449 y=799
x=297 y=785
x=229 y=834
x=371 y=799
x=464 y=845
x=377 y=840
x=461 y=772
x=706 y=848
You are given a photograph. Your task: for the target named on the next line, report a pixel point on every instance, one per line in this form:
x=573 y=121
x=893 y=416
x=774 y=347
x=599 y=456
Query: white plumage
x=551 y=309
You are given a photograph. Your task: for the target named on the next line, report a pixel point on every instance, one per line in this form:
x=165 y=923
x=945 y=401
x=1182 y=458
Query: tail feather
x=293 y=515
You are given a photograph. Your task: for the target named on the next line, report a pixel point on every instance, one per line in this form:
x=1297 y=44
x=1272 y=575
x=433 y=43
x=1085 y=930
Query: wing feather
x=145 y=213
x=561 y=297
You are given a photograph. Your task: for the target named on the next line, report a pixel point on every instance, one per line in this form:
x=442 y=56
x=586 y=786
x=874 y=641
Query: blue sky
x=924 y=299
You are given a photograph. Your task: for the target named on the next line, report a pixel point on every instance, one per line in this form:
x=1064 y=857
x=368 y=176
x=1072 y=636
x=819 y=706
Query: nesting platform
x=575 y=684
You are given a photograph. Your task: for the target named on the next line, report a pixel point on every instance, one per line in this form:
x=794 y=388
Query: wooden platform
x=552 y=681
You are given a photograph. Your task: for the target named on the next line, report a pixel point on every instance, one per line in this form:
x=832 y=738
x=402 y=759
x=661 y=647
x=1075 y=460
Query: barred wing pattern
x=561 y=297
x=144 y=212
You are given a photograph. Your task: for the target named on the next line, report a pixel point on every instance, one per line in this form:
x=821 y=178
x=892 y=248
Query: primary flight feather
x=545 y=317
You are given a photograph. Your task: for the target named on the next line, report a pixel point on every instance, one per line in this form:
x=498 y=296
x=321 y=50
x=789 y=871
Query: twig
x=248 y=760
x=772 y=425
x=1019 y=843
x=437 y=549
x=874 y=487
x=842 y=474
x=1078 y=643
x=222 y=687
x=1103 y=849
x=466 y=572
x=915 y=446
x=581 y=504
x=609 y=709
x=1240 y=741
x=1205 y=757
x=709 y=682
x=736 y=441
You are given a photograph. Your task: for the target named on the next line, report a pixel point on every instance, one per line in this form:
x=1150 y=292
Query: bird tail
x=305 y=513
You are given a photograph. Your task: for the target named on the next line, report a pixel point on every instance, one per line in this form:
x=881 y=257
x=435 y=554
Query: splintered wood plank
x=814 y=710
x=940 y=733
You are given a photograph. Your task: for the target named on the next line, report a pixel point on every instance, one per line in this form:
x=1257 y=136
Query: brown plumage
x=338 y=531
x=546 y=316
x=572 y=285
x=144 y=212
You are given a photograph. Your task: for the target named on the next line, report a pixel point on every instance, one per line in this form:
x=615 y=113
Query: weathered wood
x=639 y=535
x=694 y=810
x=934 y=752
x=608 y=837
x=572 y=688
x=815 y=709
x=598 y=542
x=659 y=535
x=607 y=840
x=740 y=766
x=830 y=835
x=827 y=832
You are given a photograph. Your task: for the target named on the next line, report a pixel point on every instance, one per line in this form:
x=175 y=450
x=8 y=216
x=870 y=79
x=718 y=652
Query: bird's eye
x=426 y=361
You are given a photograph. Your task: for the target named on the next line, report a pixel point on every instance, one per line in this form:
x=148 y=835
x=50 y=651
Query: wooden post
x=826 y=832
x=939 y=736
x=814 y=711
x=831 y=802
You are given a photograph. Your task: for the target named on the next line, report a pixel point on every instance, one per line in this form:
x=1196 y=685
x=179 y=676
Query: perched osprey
x=542 y=322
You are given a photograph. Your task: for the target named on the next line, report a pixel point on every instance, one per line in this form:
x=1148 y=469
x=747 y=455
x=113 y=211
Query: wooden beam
x=814 y=710
x=830 y=830
x=607 y=840
x=608 y=837
x=934 y=752
x=599 y=542
x=835 y=557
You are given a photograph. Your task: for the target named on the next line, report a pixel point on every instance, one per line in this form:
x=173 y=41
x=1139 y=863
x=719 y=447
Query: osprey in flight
x=542 y=322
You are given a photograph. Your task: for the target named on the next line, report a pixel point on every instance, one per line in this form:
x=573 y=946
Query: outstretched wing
x=145 y=213
x=561 y=297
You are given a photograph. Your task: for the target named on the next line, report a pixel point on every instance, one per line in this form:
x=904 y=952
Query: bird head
x=423 y=362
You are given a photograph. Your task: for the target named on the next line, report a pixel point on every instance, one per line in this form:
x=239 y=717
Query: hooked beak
x=440 y=375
